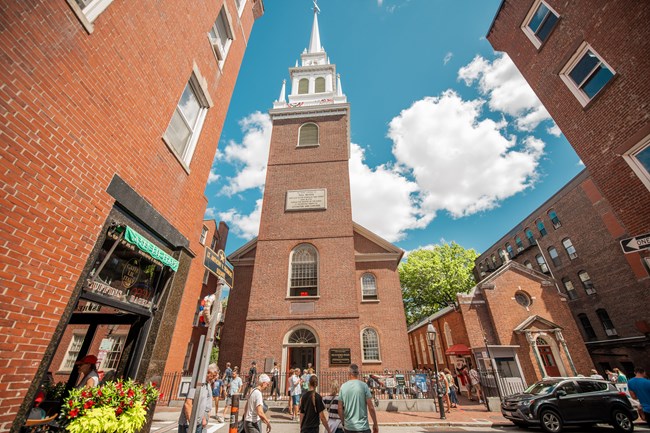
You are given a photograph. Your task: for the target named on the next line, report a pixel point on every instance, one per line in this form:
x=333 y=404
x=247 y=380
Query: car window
x=541 y=388
x=569 y=388
x=592 y=386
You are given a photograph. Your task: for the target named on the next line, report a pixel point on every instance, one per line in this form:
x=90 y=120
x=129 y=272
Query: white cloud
x=461 y=163
x=448 y=57
x=380 y=3
x=383 y=200
x=213 y=177
x=506 y=90
x=209 y=213
x=244 y=226
x=251 y=154
x=554 y=130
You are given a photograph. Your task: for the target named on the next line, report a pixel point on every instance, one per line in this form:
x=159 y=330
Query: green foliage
x=54 y=391
x=116 y=407
x=214 y=356
x=431 y=278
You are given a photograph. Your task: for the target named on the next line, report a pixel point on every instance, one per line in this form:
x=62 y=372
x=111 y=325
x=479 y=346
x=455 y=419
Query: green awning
x=135 y=238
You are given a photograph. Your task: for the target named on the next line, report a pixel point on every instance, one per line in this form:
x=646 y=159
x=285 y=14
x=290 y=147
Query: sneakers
x=480 y=401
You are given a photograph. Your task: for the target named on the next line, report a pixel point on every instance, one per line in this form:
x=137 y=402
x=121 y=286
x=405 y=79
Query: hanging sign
x=216 y=263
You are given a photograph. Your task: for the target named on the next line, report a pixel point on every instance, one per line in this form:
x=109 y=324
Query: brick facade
x=84 y=109
x=585 y=217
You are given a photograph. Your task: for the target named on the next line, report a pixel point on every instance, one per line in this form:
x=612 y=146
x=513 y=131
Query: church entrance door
x=300 y=357
x=550 y=365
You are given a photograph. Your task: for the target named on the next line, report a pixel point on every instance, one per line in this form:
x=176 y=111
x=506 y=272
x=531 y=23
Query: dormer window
x=303 y=86
x=320 y=85
x=308 y=135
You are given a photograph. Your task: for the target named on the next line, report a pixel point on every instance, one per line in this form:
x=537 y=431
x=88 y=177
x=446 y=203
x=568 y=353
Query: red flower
x=118 y=411
x=99 y=393
x=121 y=393
x=73 y=413
x=154 y=384
x=70 y=403
x=89 y=404
x=119 y=385
x=160 y=396
x=131 y=393
x=86 y=394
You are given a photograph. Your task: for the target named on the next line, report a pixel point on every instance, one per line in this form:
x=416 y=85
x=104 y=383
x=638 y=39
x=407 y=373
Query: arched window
x=303 y=86
x=368 y=287
x=570 y=290
x=586 y=282
x=606 y=322
x=450 y=341
x=510 y=251
x=554 y=219
x=541 y=228
x=302 y=336
x=502 y=256
x=554 y=256
x=426 y=353
x=530 y=237
x=320 y=85
x=304 y=271
x=590 y=334
x=570 y=249
x=370 y=343
x=308 y=135
x=520 y=244
x=494 y=261
x=542 y=263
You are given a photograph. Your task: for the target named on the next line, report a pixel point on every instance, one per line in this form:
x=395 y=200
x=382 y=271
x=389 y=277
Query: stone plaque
x=340 y=356
x=306 y=199
x=302 y=307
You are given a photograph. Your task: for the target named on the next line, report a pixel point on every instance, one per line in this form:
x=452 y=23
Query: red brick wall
x=77 y=109
x=606 y=128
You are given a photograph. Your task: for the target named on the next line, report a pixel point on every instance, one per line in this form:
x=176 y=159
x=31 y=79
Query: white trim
x=363 y=355
x=241 y=7
x=630 y=157
x=525 y=25
x=374 y=279
x=90 y=12
x=317 y=136
x=222 y=48
x=580 y=95
x=317 y=295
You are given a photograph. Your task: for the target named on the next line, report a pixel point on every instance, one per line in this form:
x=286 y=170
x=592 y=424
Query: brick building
x=572 y=238
x=588 y=63
x=111 y=114
x=514 y=326
x=314 y=287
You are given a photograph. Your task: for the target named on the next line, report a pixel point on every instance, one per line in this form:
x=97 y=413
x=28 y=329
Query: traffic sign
x=637 y=243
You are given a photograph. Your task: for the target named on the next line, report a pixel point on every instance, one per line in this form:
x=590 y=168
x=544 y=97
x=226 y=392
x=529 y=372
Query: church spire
x=314 y=42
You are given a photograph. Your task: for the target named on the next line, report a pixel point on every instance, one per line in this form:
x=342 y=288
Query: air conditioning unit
x=611 y=332
x=520 y=249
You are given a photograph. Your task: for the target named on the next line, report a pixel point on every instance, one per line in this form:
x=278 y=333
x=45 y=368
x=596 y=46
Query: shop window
x=204 y=235
x=555 y=258
x=590 y=334
x=303 y=86
x=511 y=252
x=319 y=85
x=186 y=123
x=370 y=343
x=368 y=287
x=608 y=326
x=638 y=158
x=540 y=22
x=586 y=282
x=530 y=237
x=221 y=36
x=554 y=219
x=112 y=347
x=542 y=263
x=586 y=74
x=308 y=135
x=73 y=352
x=541 y=228
x=570 y=250
x=304 y=271
x=520 y=244
x=570 y=290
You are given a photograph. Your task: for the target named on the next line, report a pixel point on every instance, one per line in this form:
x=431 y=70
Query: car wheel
x=550 y=421
x=622 y=421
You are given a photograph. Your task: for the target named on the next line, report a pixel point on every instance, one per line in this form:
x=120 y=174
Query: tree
x=431 y=278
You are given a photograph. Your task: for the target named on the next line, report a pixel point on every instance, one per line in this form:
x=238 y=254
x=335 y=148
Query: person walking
x=475 y=383
x=234 y=388
x=312 y=409
x=275 y=381
x=217 y=390
x=227 y=375
x=621 y=380
x=355 y=403
x=444 y=390
x=251 y=379
x=453 y=398
x=639 y=388
x=254 y=409
x=295 y=386
x=332 y=405
x=305 y=381
x=204 y=405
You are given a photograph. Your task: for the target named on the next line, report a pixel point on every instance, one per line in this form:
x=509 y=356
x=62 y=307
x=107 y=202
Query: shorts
x=216 y=393
x=229 y=401
x=296 y=399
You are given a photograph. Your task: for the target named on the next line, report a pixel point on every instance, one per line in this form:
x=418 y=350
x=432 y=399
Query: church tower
x=314 y=287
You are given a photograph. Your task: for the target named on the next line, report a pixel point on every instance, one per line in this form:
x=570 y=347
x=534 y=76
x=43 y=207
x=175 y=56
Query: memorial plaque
x=302 y=307
x=306 y=199
x=340 y=357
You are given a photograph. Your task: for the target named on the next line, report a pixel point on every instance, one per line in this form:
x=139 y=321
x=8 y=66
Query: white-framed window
x=221 y=36
x=185 y=125
x=586 y=73
x=555 y=257
x=426 y=351
x=539 y=22
x=570 y=290
x=88 y=10
x=448 y=337
x=554 y=219
x=308 y=135
x=368 y=287
x=303 y=86
x=240 y=6
x=319 y=85
x=570 y=249
x=638 y=158
x=114 y=346
x=542 y=263
x=204 y=235
x=370 y=344
x=73 y=352
x=586 y=282
x=303 y=271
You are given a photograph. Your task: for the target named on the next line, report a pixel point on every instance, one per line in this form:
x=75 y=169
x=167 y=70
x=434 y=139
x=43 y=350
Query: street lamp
x=431 y=335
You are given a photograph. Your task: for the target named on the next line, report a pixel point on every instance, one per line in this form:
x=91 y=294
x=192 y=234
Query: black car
x=554 y=402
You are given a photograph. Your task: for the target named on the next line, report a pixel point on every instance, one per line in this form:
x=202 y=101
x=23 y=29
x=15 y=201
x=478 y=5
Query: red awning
x=458 y=349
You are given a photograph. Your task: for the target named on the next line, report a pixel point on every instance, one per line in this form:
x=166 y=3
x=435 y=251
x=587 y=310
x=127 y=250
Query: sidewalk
x=468 y=413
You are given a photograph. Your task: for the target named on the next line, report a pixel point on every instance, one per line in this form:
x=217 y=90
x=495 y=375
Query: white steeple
x=314 y=42
x=339 y=88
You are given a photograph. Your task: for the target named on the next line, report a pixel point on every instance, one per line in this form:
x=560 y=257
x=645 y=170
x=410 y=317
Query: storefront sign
x=216 y=263
x=340 y=357
x=306 y=199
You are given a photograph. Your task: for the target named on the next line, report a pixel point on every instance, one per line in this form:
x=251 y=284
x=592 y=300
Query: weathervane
x=316 y=8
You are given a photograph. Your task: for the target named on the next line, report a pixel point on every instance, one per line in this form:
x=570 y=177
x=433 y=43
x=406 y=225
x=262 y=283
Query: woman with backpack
x=312 y=409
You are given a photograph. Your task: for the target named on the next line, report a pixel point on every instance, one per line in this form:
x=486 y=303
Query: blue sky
x=448 y=141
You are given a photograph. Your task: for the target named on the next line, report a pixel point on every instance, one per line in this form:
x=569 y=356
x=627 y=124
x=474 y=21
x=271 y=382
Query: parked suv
x=554 y=402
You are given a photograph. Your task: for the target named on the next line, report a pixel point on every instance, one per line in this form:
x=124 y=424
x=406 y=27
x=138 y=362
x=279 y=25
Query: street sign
x=216 y=263
x=637 y=243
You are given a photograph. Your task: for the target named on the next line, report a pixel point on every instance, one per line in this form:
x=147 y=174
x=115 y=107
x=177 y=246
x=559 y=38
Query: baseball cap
x=264 y=378
x=88 y=359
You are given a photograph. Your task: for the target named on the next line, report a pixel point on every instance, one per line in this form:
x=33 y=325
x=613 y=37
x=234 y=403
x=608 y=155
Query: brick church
x=314 y=286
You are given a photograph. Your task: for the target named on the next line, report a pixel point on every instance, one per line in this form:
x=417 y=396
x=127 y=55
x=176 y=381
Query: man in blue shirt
x=639 y=387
